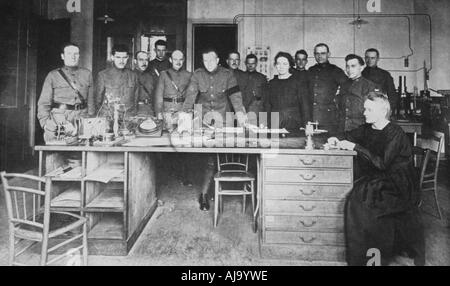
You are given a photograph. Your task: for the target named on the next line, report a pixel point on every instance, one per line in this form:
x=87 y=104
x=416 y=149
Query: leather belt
x=69 y=106
x=174 y=99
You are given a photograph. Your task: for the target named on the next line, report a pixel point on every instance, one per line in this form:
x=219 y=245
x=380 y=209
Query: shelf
x=70 y=198
x=108 y=200
x=71 y=175
x=107 y=173
x=109 y=227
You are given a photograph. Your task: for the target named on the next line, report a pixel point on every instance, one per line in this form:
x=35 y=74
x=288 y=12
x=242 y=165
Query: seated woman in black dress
x=287 y=94
x=382 y=209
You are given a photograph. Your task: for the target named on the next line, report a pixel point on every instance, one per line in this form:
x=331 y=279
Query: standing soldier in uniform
x=117 y=85
x=253 y=91
x=354 y=93
x=380 y=77
x=161 y=62
x=301 y=60
x=171 y=90
x=146 y=84
x=169 y=97
x=67 y=95
x=213 y=87
x=233 y=62
x=324 y=81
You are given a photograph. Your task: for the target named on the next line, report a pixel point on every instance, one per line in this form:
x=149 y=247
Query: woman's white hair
x=383 y=99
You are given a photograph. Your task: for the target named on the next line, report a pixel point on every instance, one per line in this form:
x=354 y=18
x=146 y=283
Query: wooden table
x=300 y=197
x=414 y=128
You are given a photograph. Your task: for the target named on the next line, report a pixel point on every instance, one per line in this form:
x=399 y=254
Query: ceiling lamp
x=105 y=18
x=358 y=22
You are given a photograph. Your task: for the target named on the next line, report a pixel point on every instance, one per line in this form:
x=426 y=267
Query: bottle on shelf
x=407 y=97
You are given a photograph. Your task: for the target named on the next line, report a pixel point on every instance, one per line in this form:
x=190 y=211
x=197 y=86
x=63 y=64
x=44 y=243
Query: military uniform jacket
x=146 y=86
x=159 y=66
x=351 y=102
x=384 y=82
x=324 y=81
x=117 y=85
x=57 y=90
x=214 y=91
x=167 y=89
x=251 y=85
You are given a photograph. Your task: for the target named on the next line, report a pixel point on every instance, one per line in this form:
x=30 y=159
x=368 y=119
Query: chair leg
x=252 y=188
x=44 y=253
x=216 y=202
x=221 y=203
x=244 y=198
x=436 y=200
x=12 y=243
x=85 y=245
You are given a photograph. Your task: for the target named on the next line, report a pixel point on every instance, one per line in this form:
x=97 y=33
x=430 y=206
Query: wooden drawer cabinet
x=308 y=176
x=310 y=161
x=305 y=192
x=304 y=207
x=311 y=253
x=303 y=204
x=305 y=238
x=304 y=223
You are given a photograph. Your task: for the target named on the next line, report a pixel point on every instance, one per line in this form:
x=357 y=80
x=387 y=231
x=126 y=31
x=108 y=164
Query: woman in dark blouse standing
x=287 y=94
x=382 y=209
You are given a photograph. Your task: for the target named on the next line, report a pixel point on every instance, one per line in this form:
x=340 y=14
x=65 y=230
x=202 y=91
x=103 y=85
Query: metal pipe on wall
x=406 y=16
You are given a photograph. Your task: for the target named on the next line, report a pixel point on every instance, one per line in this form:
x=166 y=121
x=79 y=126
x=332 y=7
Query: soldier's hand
x=333 y=141
x=242 y=119
x=50 y=126
x=184 y=122
x=69 y=129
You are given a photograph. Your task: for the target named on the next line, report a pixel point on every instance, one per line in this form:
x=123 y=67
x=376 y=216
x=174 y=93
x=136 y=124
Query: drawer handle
x=308 y=162
x=308 y=177
x=308 y=194
x=307 y=209
x=311 y=240
x=313 y=223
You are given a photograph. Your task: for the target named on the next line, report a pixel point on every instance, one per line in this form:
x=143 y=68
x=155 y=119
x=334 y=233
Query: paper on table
x=75 y=173
x=105 y=174
x=143 y=142
x=270 y=131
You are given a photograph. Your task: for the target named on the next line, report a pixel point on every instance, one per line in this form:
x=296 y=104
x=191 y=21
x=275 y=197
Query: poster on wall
x=263 y=55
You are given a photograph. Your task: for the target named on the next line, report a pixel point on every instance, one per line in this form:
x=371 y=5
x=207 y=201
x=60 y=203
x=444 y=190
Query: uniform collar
x=174 y=70
x=115 y=69
x=324 y=65
x=357 y=79
x=70 y=69
x=214 y=72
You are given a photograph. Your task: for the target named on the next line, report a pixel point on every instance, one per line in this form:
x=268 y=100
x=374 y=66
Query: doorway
x=222 y=37
x=52 y=35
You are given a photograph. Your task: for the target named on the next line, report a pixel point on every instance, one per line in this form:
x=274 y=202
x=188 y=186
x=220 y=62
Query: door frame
x=190 y=35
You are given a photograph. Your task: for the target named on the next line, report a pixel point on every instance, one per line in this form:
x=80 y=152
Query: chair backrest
x=232 y=162
x=24 y=203
x=424 y=164
x=433 y=143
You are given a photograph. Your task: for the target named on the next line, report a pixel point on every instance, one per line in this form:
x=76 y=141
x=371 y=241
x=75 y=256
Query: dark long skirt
x=390 y=234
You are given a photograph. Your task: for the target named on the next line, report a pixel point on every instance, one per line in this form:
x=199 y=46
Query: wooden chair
x=430 y=167
x=233 y=168
x=29 y=218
